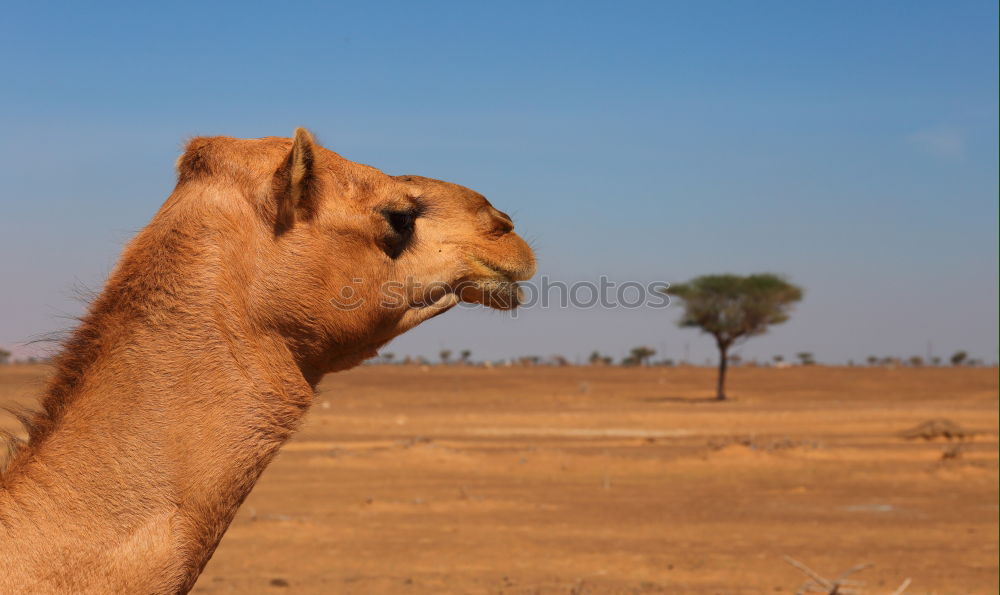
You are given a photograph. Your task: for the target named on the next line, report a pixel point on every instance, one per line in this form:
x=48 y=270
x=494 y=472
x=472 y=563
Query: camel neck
x=153 y=435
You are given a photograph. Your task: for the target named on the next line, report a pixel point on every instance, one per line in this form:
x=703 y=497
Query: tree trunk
x=720 y=391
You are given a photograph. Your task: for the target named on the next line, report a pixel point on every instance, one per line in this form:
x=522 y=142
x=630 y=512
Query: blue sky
x=852 y=146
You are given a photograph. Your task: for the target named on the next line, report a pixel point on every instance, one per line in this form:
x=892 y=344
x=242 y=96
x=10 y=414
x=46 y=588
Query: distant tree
x=778 y=359
x=669 y=363
x=872 y=360
x=445 y=356
x=936 y=361
x=735 y=359
x=598 y=359
x=805 y=358
x=4 y=356
x=916 y=361
x=638 y=356
x=958 y=358
x=558 y=360
x=643 y=354
x=465 y=354
x=733 y=308
x=387 y=357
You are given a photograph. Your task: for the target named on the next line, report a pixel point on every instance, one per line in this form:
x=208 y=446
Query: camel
x=273 y=262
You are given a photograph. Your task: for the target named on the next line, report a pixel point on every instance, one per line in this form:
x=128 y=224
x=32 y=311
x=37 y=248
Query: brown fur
x=200 y=357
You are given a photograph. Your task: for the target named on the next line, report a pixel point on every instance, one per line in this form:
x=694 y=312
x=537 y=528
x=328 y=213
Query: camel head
x=337 y=257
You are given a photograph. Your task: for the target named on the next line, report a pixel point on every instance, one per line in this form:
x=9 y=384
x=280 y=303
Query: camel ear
x=295 y=181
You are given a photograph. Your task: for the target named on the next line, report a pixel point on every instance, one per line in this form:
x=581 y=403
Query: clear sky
x=852 y=146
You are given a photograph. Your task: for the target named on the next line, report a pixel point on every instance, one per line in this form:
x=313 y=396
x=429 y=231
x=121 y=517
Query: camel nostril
x=502 y=222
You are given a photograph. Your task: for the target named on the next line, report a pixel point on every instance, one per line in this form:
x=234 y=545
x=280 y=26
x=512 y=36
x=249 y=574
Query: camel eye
x=401 y=224
x=401 y=221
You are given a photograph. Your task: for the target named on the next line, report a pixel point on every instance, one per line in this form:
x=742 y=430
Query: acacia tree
x=733 y=308
x=638 y=356
x=596 y=359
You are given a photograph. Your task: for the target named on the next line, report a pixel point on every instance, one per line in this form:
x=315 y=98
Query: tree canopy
x=734 y=307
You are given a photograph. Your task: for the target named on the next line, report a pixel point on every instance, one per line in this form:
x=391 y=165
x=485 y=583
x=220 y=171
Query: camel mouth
x=489 y=269
x=493 y=286
x=499 y=294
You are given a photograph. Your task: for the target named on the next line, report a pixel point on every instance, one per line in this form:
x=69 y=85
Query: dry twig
x=838 y=586
x=899 y=590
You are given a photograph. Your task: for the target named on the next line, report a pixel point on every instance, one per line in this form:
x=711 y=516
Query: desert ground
x=461 y=479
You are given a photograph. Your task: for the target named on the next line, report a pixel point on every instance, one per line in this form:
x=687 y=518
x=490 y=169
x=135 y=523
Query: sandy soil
x=609 y=480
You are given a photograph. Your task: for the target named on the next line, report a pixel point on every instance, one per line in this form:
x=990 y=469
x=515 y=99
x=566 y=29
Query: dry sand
x=609 y=480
